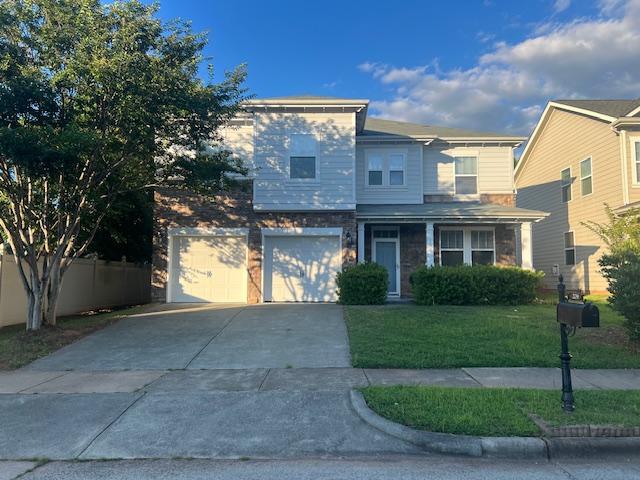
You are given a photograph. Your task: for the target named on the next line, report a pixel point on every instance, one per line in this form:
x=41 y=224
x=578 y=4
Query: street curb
x=505 y=447
x=510 y=447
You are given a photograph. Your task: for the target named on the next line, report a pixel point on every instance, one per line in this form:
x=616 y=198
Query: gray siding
x=335 y=156
x=411 y=192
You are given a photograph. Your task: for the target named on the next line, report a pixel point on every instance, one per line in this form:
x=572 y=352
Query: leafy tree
x=97 y=101
x=621 y=265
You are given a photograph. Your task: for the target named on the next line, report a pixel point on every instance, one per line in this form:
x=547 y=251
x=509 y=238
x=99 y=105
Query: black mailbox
x=579 y=314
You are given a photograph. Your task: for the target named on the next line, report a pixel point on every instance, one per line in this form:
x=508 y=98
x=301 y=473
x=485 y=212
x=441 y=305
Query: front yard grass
x=19 y=347
x=410 y=336
x=499 y=411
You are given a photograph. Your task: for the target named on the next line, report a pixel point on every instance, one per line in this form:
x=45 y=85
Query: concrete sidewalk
x=300 y=379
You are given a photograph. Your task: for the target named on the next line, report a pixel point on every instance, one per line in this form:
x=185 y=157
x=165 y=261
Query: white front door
x=209 y=269
x=301 y=268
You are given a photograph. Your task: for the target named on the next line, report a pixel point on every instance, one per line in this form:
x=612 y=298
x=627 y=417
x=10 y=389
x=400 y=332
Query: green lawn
x=410 y=336
x=499 y=412
x=18 y=347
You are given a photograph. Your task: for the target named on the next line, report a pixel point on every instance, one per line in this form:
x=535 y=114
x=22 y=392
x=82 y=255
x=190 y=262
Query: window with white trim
x=569 y=249
x=375 y=169
x=565 y=182
x=302 y=157
x=451 y=247
x=586 y=179
x=636 y=150
x=396 y=169
x=483 y=251
x=466 y=175
x=386 y=168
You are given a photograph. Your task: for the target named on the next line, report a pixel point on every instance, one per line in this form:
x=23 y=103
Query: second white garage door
x=301 y=268
x=209 y=269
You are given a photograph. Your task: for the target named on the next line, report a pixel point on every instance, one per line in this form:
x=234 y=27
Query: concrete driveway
x=213 y=337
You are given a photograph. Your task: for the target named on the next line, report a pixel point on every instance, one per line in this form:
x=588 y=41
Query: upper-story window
x=375 y=169
x=396 y=169
x=565 y=182
x=302 y=157
x=466 y=173
x=386 y=168
x=636 y=150
x=586 y=180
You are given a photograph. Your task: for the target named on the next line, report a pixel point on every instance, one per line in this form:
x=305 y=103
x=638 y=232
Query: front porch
x=405 y=237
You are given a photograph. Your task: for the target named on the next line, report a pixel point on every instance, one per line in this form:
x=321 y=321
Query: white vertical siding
x=409 y=193
x=335 y=137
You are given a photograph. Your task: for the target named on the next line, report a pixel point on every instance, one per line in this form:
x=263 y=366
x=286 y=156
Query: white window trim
x=477 y=175
x=397 y=242
x=564 y=244
x=385 y=153
x=291 y=153
x=590 y=158
x=570 y=184
x=467 y=250
x=635 y=167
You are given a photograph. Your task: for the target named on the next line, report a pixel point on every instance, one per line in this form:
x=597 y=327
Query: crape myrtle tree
x=98 y=101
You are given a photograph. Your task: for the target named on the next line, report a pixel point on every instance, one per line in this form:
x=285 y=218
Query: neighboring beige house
x=581 y=155
x=329 y=186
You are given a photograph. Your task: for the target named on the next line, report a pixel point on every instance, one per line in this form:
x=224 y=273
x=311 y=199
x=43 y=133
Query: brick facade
x=505 y=199
x=176 y=208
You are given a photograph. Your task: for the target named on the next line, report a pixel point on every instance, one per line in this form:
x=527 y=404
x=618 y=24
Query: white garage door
x=209 y=269
x=301 y=269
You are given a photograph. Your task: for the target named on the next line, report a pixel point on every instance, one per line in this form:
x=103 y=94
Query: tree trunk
x=55 y=285
x=34 y=315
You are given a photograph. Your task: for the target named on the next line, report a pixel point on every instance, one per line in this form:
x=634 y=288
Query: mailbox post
x=570 y=316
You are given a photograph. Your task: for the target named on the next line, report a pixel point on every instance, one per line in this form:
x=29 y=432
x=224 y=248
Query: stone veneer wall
x=176 y=208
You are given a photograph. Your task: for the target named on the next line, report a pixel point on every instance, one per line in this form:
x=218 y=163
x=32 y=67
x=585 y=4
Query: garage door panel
x=302 y=268
x=209 y=269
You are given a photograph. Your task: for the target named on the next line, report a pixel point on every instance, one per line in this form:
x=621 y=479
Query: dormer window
x=302 y=157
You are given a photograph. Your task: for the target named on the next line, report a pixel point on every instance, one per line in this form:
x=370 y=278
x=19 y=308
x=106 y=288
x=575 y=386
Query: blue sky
x=488 y=64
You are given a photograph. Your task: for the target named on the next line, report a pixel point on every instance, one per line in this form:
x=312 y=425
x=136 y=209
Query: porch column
x=429 y=245
x=360 y=242
x=525 y=245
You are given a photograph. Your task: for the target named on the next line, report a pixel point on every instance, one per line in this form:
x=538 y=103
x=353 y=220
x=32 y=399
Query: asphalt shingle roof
x=613 y=108
x=380 y=127
x=449 y=210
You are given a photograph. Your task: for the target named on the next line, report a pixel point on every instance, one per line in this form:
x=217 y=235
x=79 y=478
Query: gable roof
x=378 y=127
x=612 y=108
x=611 y=111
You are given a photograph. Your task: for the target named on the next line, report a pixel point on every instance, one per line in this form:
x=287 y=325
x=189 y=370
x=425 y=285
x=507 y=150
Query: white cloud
x=561 y=5
x=508 y=87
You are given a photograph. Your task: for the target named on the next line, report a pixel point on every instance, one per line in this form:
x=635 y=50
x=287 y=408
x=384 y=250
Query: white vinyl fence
x=87 y=285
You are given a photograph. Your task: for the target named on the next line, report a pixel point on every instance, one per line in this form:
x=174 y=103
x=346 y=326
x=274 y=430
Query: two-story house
x=329 y=187
x=582 y=155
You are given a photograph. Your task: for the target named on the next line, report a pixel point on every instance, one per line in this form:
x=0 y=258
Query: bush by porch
x=477 y=285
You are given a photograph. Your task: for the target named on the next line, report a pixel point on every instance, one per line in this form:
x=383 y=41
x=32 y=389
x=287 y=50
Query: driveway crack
x=224 y=327
x=109 y=425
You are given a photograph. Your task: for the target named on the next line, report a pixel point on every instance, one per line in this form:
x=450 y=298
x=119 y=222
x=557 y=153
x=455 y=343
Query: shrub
x=363 y=284
x=478 y=285
x=621 y=265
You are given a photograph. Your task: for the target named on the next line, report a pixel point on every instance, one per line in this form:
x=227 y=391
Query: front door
x=386 y=253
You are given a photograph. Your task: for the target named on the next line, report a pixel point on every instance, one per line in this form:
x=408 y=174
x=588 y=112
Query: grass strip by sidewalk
x=19 y=347
x=410 y=336
x=499 y=411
